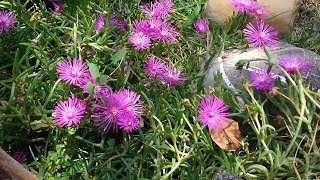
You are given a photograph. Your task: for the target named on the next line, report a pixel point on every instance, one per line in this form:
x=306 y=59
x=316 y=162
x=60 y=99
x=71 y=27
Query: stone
x=281 y=14
x=232 y=77
x=223 y=174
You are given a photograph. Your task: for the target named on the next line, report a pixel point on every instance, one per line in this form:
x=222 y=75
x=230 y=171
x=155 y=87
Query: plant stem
x=303 y=101
x=176 y=166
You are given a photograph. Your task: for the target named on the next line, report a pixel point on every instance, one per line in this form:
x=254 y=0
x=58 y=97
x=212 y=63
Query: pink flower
x=153 y=66
x=260 y=35
x=112 y=20
x=130 y=101
x=74 y=72
x=201 y=25
x=121 y=25
x=101 y=91
x=172 y=75
x=139 y=40
x=115 y=108
x=7 y=20
x=293 y=64
x=244 y=5
x=58 y=5
x=20 y=156
x=160 y=9
x=259 y=12
x=69 y=112
x=261 y=79
x=128 y=121
x=99 y=23
x=141 y=26
x=107 y=113
x=212 y=112
x=166 y=33
x=155 y=26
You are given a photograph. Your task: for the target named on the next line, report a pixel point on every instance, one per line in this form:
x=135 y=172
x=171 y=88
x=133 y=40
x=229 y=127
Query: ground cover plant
x=113 y=90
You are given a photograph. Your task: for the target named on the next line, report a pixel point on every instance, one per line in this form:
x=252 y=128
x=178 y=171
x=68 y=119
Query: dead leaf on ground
x=228 y=138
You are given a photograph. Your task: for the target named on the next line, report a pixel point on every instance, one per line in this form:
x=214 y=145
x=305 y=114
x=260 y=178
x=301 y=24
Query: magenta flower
x=69 y=112
x=293 y=64
x=153 y=66
x=212 y=112
x=261 y=79
x=140 y=26
x=155 y=26
x=166 y=33
x=172 y=75
x=102 y=91
x=121 y=25
x=57 y=5
x=74 y=72
x=99 y=23
x=123 y=103
x=244 y=5
x=107 y=113
x=260 y=35
x=7 y=20
x=20 y=156
x=130 y=101
x=128 y=121
x=201 y=25
x=84 y=81
x=99 y=90
x=259 y=12
x=140 y=40
x=112 y=19
x=160 y=9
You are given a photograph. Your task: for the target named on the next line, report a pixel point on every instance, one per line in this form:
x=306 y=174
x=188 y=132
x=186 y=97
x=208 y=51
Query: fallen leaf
x=228 y=138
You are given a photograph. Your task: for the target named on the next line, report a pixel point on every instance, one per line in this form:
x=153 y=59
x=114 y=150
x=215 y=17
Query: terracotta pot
x=281 y=13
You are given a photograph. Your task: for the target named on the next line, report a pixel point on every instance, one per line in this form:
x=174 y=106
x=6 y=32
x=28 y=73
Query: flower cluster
x=258 y=34
x=154 y=28
x=251 y=7
x=154 y=67
x=121 y=109
x=7 y=20
x=160 y=9
x=118 y=109
x=212 y=112
x=262 y=79
x=76 y=72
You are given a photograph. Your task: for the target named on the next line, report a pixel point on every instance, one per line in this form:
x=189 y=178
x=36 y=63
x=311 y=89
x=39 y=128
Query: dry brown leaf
x=228 y=138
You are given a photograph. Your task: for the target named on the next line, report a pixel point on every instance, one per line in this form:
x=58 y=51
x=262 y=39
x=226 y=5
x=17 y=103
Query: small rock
x=223 y=174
